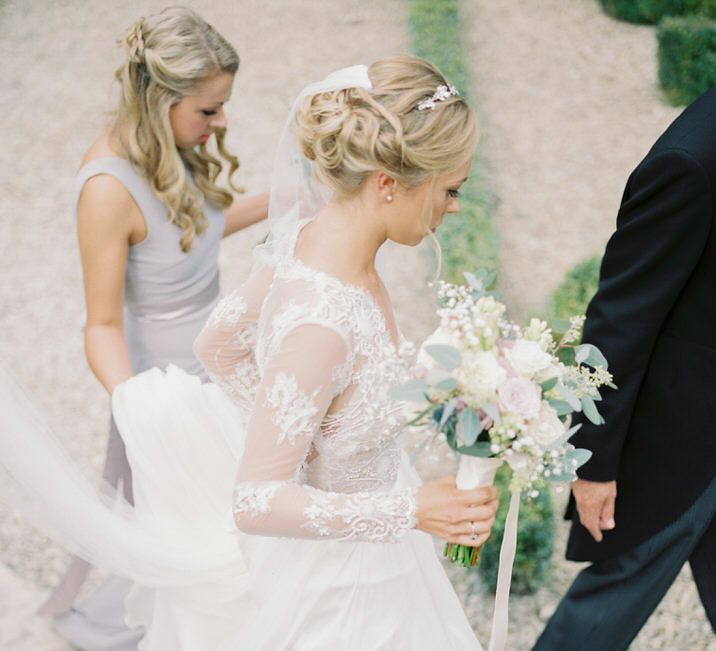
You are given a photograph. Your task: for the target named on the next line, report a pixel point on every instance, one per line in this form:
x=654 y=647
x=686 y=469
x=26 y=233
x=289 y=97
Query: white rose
x=481 y=374
x=441 y=336
x=547 y=427
x=527 y=358
x=520 y=396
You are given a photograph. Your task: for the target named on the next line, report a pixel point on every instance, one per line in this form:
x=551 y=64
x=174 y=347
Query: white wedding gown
x=324 y=496
x=298 y=427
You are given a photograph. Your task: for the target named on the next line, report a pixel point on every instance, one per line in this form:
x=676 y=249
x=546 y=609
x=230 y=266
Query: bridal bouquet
x=499 y=392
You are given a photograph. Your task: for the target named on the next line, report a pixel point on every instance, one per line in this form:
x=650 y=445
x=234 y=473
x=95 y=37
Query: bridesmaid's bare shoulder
x=105 y=201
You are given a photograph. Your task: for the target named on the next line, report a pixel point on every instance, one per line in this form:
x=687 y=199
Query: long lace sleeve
x=299 y=383
x=226 y=345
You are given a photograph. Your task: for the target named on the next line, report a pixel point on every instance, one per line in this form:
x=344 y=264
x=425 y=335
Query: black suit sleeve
x=662 y=230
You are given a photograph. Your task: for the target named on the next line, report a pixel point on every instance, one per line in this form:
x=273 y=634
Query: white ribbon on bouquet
x=480 y=471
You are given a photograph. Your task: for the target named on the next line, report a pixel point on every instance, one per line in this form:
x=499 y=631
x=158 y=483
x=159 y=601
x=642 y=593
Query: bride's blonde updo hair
x=351 y=133
x=169 y=55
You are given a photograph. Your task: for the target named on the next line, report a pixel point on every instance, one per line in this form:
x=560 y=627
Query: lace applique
x=367 y=517
x=228 y=311
x=293 y=410
x=255 y=498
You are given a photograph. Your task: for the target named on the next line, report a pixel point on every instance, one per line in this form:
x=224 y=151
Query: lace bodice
x=311 y=361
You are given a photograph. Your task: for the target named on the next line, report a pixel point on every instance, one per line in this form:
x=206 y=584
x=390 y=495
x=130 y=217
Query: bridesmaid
x=150 y=216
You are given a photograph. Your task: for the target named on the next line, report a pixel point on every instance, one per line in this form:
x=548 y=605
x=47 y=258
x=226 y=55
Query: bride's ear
x=385 y=186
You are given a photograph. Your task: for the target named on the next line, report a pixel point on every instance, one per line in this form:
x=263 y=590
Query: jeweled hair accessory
x=440 y=95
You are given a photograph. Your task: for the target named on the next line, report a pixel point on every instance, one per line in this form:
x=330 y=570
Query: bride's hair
x=350 y=133
x=169 y=55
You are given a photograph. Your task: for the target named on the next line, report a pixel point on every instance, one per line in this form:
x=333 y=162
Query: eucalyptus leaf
x=411 y=391
x=569 y=397
x=473 y=281
x=561 y=407
x=447 y=356
x=480 y=449
x=580 y=455
x=470 y=427
x=591 y=355
x=591 y=411
x=548 y=385
x=490 y=279
x=448 y=384
x=448 y=410
x=580 y=354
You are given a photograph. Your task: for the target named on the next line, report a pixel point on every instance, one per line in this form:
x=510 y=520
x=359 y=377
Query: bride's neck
x=343 y=240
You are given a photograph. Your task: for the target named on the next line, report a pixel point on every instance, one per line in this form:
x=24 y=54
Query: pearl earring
x=389 y=197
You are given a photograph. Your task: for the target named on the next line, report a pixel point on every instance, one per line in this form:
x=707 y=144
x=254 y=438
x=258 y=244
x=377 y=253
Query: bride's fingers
x=484 y=513
x=477 y=496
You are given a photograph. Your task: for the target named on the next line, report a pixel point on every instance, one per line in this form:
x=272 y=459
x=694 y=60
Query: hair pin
x=440 y=95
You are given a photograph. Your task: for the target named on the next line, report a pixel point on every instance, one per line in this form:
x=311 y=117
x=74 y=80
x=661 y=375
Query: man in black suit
x=646 y=500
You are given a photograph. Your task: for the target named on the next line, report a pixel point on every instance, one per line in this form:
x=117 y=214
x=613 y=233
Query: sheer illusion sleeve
x=299 y=382
x=226 y=345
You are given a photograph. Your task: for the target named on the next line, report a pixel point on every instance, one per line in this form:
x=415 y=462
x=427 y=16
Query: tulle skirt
x=203 y=586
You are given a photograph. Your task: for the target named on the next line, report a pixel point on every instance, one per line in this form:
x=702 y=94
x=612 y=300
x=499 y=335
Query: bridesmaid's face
x=196 y=117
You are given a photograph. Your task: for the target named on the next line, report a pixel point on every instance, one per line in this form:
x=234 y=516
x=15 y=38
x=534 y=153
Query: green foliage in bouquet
x=535 y=541
x=468 y=240
x=687 y=57
x=652 y=11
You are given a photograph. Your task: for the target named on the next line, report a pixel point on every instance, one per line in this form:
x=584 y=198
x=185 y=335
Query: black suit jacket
x=654 y=318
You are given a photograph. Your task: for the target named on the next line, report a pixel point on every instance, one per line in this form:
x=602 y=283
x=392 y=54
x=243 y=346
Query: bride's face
x=414 y=218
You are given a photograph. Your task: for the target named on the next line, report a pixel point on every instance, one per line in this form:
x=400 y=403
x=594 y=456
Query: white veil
x=40 y=479
x=296 y=194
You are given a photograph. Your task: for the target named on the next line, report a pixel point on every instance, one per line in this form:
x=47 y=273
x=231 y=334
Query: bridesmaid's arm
x=104 y=232
x=246 y=212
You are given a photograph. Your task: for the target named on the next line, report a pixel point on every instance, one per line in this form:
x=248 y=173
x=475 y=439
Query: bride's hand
x=456 y=515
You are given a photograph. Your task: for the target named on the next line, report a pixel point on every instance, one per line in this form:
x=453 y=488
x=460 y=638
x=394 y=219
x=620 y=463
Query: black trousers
x=609 y=601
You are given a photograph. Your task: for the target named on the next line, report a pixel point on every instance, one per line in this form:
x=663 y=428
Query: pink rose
x=520 y=396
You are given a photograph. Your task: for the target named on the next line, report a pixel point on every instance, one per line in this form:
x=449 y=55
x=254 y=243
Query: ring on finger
x=473 y=533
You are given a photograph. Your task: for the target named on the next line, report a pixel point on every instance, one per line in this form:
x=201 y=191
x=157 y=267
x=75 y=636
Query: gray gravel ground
x=559 y=60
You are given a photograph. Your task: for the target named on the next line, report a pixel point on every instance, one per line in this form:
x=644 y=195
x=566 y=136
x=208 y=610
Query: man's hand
x=595 y=505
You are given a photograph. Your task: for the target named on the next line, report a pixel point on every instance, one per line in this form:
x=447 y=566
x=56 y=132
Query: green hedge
x=535 y=541
x=468 y=240
x=687 y=57
x=469 y=243
x=652 y=11
x=575 y=292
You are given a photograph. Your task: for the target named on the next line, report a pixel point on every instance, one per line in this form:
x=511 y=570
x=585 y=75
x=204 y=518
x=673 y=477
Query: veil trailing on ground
x=151 y=546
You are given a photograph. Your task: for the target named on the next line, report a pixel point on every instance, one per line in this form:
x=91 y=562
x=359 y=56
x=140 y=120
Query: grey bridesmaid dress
x=169 y=295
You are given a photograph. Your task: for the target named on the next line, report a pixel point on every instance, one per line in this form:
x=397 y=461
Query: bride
x=325 y=543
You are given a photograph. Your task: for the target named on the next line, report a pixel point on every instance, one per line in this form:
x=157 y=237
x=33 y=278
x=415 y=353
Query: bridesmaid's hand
x=456 y=515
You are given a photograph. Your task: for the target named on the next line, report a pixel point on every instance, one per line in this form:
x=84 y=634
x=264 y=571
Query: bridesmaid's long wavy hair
x=169 y=55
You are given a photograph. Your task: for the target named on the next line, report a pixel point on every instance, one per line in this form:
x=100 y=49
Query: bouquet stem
x=473 y=472
x=462 y=555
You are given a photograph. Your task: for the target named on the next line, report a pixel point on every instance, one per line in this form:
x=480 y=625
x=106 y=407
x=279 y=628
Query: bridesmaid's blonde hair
x=169 y=55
